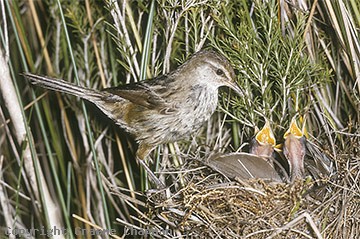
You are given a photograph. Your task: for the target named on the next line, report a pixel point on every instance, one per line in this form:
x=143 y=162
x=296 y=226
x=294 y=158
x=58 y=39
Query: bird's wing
x=145 y=93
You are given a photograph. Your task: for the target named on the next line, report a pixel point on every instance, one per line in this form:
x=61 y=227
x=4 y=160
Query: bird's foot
x=152 y=177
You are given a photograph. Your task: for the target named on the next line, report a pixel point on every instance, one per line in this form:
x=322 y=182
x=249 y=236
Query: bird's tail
x=63 y=86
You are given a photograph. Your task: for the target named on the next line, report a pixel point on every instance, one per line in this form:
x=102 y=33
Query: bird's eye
x=220 y=72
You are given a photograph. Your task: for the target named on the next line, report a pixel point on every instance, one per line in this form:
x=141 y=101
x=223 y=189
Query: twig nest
x=209 y=205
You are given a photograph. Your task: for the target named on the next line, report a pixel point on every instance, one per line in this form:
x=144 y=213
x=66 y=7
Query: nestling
x=294 y=149
x=264 y=142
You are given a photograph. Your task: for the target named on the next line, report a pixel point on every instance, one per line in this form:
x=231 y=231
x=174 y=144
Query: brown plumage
x=163 y=109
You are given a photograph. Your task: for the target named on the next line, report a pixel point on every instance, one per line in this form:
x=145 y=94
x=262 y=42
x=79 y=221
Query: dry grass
x=204 y=204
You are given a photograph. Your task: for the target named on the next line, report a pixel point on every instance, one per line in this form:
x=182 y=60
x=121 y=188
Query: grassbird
x=164 y=109
x=294 y=149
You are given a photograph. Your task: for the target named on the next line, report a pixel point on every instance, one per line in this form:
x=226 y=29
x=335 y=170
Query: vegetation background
x=63 y=163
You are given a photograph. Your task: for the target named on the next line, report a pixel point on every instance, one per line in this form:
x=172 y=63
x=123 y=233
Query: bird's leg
x=142 y=152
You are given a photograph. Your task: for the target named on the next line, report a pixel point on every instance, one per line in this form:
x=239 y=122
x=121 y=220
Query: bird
x=258 y=163
x=264 y=145
x=243 y=165
x=294 y=150
x=264 y=142
x=163 y=109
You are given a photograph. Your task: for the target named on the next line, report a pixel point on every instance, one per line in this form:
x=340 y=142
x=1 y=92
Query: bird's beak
x=235 y=87
x=294 y=130
x=264 y=142
x=265 y=135
x=294 y=149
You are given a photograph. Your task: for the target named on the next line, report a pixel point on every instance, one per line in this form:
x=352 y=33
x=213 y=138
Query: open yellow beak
x=265 y=136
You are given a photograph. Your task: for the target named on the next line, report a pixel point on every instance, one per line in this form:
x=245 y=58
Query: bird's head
x=212 y=69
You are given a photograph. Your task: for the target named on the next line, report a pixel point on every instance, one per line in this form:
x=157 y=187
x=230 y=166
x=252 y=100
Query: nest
x=208 y=205
x=202 y=203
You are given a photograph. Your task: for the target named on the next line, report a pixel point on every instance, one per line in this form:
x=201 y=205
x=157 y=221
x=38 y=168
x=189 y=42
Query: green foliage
x=274 y=69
